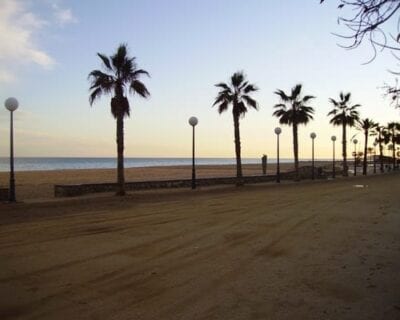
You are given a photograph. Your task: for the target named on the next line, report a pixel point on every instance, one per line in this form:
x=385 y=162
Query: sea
x=60 y=163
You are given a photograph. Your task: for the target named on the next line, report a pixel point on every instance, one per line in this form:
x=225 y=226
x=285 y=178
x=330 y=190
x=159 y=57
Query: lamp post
x=193 y=122
x=278 y=131
x=333 y=138
x=312 y=136
x=375 y=144
x=355 y=141
x=11 y=105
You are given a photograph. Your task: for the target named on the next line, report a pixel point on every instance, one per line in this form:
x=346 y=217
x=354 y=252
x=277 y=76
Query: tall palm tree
x=380 y=139
x=120 y=77
x=366 y=126
x=293 y=111
x=393 y=129
x=346 y=116
x=236 y=93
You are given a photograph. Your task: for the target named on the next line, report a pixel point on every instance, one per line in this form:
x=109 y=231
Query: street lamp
x=11 y=105
x=193 y=122
x=333 y=138
x=375 y=144
x=278 y=131
x=355 y=141
x=312 y=136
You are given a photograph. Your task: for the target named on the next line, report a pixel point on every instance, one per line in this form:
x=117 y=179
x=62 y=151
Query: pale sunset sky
x=48 y=47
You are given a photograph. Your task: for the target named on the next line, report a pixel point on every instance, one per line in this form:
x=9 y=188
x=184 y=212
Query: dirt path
x=311 y=251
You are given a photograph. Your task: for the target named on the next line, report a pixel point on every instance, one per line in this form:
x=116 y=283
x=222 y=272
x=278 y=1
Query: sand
x=39 y=185
x=323 y=250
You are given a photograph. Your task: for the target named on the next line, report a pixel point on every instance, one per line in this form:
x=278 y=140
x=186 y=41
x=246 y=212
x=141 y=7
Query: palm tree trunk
x=365 y=153
x=394 y=149
x=381 y=153
x=296 y=151
x=344 y=151
x=239 y=175
x=120 y=152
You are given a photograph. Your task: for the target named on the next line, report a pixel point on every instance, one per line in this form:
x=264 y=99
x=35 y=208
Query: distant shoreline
x=26 y=164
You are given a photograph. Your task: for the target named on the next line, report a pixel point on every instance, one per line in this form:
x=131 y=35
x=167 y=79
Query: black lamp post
x=333 y=138
x=375 y=144
x=312 y=136
x=355 y=141
x=278 y=131
x=11 y=105
x=193 y=122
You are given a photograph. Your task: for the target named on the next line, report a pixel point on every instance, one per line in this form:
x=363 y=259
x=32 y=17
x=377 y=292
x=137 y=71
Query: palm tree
x=346 y=116
x=393 y=129
x=121 y=76
x=380 y=139
x=366 y=126
x=236 y=93
x=293 y=111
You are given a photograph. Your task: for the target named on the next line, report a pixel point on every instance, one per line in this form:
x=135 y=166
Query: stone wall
x=81 y=189
x=3 y=194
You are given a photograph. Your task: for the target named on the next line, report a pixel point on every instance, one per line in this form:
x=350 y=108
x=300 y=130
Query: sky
x=48 y=48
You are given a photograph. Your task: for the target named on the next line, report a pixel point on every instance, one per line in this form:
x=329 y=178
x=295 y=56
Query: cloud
x=18 y=28
x=63 y=16
x=6 y=76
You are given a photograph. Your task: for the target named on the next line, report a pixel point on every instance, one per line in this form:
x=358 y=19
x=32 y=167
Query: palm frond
x=119 y=58
x=282 y=95
x=296 y=90
x=106 y=61
x=240 y=108
x=281 y=106
x=139 y=72
x=306 y=110
x=98 y=74
x=237 y=94
x=237 y=79
x=337 y=120
x=250 y=101
x=293 y=108
x=353 y=107
x=347 y=97
x=333 y=112
x=220 y=98
x=223 y=86
x=250 y=88
x=307 y=98
x=342 y=113
x=138 y=87
x=94 y=95
x=98 y=79
x=334 y=102
x=223 y=106
x=124 y=74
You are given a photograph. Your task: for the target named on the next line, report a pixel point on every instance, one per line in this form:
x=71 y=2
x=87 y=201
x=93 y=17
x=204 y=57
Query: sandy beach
x=323 y=250
x=39 y=185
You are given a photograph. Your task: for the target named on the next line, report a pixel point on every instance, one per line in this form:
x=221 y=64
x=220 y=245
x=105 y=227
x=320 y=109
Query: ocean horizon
x=65 y=163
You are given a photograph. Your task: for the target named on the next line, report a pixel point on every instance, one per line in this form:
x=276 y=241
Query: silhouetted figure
x=264 y=160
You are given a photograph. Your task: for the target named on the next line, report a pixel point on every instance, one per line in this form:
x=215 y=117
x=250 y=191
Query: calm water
x=28 y=164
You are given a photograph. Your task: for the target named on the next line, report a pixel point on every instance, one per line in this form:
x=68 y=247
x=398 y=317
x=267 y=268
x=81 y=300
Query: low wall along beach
x=73 y=190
